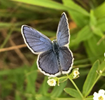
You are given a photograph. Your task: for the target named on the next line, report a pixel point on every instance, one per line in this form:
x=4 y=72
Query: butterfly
x=54 y=57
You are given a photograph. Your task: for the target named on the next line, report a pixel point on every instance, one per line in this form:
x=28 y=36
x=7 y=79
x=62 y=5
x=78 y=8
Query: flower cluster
x=55 y=80
x=100 y=95
x=76 y=73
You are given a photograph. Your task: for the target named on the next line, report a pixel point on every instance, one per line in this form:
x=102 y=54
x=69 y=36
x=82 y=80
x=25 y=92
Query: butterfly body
x=56 y=51
x=54 y=58
x=55 y=47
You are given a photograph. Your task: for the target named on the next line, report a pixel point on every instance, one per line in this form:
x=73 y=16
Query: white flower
x=51 y=82
x=100 y=71
x=76 y=73
x=101 y=91
x=100 y=95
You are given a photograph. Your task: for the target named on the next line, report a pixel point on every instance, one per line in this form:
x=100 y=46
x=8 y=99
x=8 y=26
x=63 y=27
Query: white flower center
x=76 y=72
x=51 y=81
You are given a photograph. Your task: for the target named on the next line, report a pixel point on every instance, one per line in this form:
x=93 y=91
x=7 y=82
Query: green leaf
x=103 y=74
x=55 y=5
x=87 y=87
x=97 y=31
x=73 y=6
x=84 y=34
x=44 y=87
x=93 y=77
x=44 y=3
x=77 y=13
x=41 y=97
x=93 y=20
x=101 y=24
x=31 y=77
x=90 y=97
x=17 y=97
x=94 y=49
x=100 y=11
x=102 y=66
x=93 y=23
x=58 y=90
x=19 y=81
x=13 y=71
x=72 y=92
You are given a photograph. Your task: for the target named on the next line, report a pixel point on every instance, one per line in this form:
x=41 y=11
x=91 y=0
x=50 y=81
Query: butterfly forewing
x=36 y=41
x=63 y=34
x=47 y=63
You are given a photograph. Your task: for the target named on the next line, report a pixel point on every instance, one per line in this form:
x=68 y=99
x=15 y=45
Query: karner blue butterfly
x=54 y=57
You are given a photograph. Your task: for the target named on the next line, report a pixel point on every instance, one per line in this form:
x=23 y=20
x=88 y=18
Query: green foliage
x=90 y=79
x=77 y=13
x=93 y=77
x=87 y=43
x=72 y=92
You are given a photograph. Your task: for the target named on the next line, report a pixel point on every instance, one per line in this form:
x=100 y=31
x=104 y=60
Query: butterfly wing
x=47 y=63
x=66 y=59
x=36 y=41
x=63 y=34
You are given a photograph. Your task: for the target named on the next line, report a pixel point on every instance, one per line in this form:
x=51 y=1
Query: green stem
x=7 y=38
x=76 y=87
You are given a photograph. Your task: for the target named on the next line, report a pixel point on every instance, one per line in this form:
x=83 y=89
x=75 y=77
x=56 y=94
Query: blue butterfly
x=54 y=57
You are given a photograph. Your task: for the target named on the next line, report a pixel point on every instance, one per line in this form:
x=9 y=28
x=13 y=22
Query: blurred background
x=19 y=77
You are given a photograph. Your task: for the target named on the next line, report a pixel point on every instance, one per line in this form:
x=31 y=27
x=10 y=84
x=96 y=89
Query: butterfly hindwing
x=47 y=63
x=36 y=41
x=63 y=34
x=66 y=59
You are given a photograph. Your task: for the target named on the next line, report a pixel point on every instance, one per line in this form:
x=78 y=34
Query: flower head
x=100 y=71
x=51 y=82
x=76 y=73
x=100 y=95
x=101 y=91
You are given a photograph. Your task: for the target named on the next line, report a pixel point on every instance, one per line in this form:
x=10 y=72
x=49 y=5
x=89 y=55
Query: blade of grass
x=12 y=48
x=51 y=4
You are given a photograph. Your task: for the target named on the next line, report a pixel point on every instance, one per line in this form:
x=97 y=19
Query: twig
x=12 y=48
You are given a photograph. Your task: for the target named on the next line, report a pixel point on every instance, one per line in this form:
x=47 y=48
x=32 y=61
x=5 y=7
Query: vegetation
x=19 y=77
